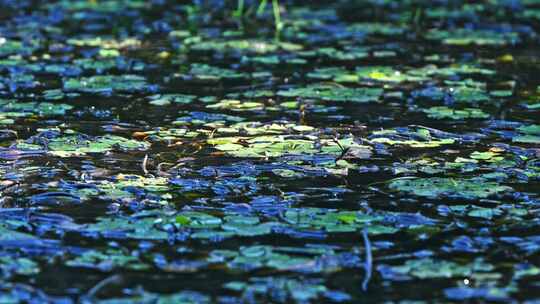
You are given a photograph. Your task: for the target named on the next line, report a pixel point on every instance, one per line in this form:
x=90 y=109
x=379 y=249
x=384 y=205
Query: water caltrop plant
x=203 y=152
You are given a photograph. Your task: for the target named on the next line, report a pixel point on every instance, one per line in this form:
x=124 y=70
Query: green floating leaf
x=7 y=234
x=412 y=137
x=107 y=261
x=206 y=119
x=379 y=28
x=372 y=73
x=263 y=256
x=529 y=134
x=488 y=156
x=281 y=145
x=486 y=213
x=454 y=114
x=106 y=84
x=133 y=228
x=20 y=266
x=204 y=72
x=429 y=268
x=167 y=99
x=13 y=47
x=79 y=145
x=237 y=105
x=252 y=46
x=473 y=37
x=300 y=291
x=117 y=189
x=100 y=41
x=336 y=221
x=10 y=110
x=435 y=187
x=336 y=94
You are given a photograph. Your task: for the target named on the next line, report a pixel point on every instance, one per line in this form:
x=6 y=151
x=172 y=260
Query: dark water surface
x=177 y=152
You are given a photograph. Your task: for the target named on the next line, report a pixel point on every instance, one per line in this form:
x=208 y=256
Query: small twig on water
x=144 y=163
x=99 y=286
x=6 y=184
x=368 y=264
x=343 y=149
x=302 y=114
x=336 y=141
x=159 y=169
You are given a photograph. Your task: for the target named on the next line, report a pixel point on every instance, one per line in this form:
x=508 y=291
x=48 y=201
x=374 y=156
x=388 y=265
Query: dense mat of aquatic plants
x=184 y=152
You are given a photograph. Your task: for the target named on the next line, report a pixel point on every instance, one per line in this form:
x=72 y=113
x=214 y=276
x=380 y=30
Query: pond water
x=191 y=152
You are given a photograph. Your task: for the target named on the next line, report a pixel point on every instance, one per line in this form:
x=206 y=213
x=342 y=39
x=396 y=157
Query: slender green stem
x=239 y=9
x=262 y=7
x=277 y=18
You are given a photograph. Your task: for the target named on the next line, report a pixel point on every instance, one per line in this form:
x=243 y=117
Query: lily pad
x=455 y=114
x=107 y=84
x=474 y=37
x=435 y=187
x=335 y=94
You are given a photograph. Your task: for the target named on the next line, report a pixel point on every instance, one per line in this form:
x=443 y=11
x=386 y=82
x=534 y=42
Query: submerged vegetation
x=269 y=151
